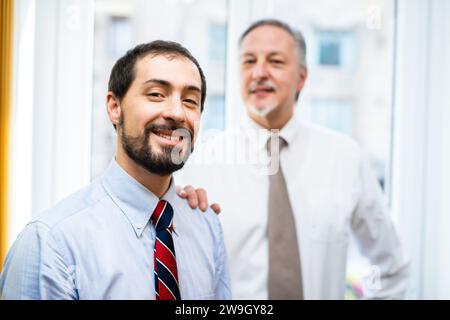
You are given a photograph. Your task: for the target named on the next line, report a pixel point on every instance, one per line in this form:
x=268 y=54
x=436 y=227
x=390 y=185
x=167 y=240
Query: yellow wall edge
x=6 y=54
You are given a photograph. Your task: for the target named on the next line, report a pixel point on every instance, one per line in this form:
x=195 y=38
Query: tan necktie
x=285 y=280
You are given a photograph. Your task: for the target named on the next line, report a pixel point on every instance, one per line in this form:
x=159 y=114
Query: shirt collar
x=288 y=132
x=135 y=200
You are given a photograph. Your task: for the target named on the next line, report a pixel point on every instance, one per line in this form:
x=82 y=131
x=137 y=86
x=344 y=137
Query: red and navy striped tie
x=165 y=264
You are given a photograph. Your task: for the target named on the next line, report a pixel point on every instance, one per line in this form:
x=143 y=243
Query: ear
x=113 y=108
x=303 y=75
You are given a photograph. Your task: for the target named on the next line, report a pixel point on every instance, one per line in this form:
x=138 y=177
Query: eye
x=276 y=61
x=248 y=61
x=155 y=94
x=191 y=101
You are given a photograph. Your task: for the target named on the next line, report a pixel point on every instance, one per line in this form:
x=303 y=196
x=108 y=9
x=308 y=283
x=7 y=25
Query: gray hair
x=296 y=34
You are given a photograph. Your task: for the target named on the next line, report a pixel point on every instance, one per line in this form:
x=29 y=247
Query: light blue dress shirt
x=98 y=244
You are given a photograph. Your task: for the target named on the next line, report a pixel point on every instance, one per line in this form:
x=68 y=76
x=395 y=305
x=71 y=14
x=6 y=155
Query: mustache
x=256 y=84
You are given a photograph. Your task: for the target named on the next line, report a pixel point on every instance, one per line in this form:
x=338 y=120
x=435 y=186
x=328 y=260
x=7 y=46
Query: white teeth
x=172 y=138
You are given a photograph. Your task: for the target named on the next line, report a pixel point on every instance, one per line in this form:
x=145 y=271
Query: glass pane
x=199 y=25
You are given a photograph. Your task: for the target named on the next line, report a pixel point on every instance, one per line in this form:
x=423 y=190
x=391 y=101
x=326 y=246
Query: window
x=119 y=36
x=330 y=52
x=217 y=35
x=336 y=49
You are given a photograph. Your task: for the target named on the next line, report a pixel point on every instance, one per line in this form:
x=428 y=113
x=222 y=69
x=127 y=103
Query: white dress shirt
x=333 y=194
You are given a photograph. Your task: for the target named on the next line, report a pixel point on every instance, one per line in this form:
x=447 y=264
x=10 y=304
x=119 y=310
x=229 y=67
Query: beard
x=261 y=111
x=163 y=163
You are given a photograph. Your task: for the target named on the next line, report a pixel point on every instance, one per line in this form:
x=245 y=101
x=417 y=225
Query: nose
x=260 y=71
x=174 y=110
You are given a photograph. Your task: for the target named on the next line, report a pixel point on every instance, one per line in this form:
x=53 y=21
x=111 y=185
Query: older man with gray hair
x=287 y=232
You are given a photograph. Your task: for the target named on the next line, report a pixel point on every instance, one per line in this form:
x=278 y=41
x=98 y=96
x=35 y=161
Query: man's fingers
x=192 y=197
x=216 y=208
x=202 y=199
x=180 y=192
x=197 y=198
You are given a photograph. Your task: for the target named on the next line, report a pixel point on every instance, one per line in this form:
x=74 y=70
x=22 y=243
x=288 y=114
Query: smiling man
x=128 y=235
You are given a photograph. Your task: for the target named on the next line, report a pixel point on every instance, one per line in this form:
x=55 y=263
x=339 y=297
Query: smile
x=262 y=90
x=168 y=136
